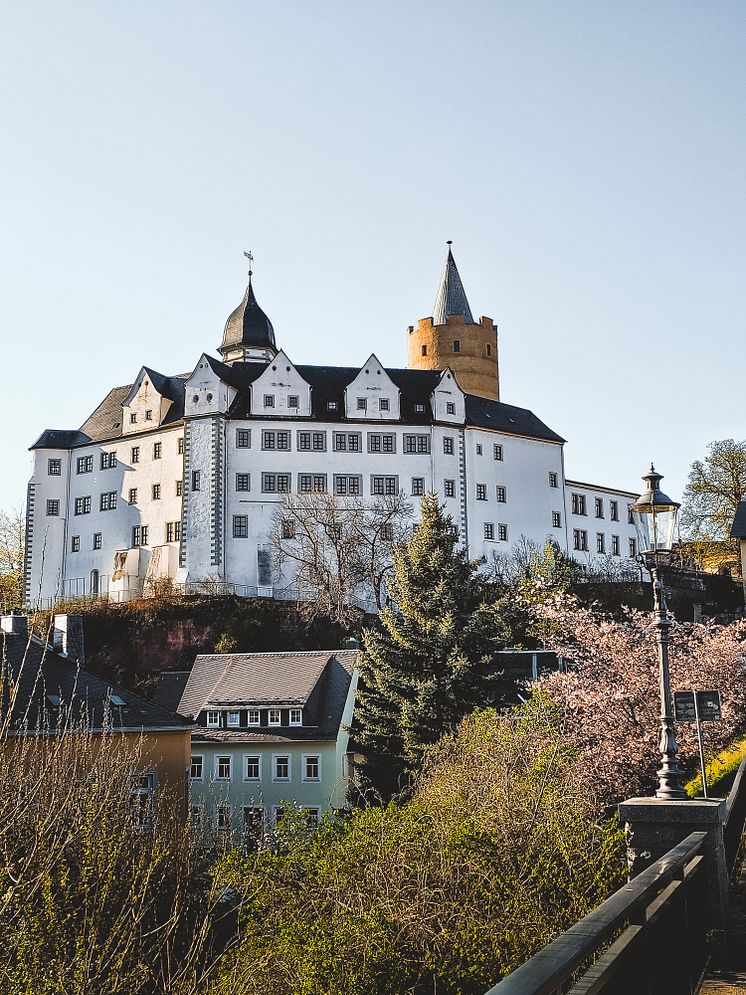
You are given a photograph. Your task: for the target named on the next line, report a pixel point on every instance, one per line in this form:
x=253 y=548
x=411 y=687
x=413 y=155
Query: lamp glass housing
x=655 y=516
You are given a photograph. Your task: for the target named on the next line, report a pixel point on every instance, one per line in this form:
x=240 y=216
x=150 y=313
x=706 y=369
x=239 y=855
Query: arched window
x=94 y=582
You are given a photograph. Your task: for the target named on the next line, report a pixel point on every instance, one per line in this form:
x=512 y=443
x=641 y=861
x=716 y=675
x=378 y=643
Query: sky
x=588 y=160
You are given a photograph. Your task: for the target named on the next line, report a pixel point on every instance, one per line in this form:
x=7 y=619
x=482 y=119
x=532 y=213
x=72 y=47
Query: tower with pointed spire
x=248 y=334
x=452 y=338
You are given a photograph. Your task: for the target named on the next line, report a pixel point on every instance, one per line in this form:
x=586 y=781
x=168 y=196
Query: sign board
x=708 y=706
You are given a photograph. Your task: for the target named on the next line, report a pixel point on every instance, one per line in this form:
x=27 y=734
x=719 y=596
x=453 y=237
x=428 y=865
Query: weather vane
x=251 y=260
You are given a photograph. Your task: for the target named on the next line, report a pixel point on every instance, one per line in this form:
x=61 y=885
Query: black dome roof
x=248 y=325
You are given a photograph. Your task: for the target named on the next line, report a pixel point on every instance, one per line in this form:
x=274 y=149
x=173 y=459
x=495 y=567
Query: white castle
x=180 y=477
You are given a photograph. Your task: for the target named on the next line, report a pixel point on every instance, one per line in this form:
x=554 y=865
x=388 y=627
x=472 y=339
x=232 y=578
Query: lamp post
x=654 y=515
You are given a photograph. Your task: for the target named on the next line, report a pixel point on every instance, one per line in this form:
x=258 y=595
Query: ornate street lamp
x=654 y=515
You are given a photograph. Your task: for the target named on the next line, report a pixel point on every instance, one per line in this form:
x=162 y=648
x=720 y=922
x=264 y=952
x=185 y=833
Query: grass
x=722 y=766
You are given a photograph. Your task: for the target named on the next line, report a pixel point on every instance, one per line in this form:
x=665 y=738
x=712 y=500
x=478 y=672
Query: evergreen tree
x=429 y=662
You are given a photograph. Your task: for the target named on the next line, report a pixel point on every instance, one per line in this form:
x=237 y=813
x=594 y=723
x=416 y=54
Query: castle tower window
x=489 y=349
x=424 y=350
x=457 y=345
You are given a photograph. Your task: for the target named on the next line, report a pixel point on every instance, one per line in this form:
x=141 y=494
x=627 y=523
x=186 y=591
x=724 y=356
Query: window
x=139 y=535
x=142 y=801
x=615 y=545
x=252 y=768
x=108 y=501
x=600 y=542
x=362 y=404
x=419 y=409
x=311 y=814
x=383 y=404
x=424 y=350
x=481 y=492
x=269 y=400
x=347 y=442
x=599 y=505
x=489 y=530
x=387 y=532
x=448 y=445
x=502 y=532
x=331 y=405
x=281 y=764
x=243 y=481
x=213 y=720
x=223 y=816
x=243 y=438
x=275 y=483
x=501 y=494
x=133 y=417
x=179 y=488
x=614 y=511
x=197 y=767
x=253 y=717
x=556 y=520
x=240 y=526
x=180 y=445
x=293 y=401
x=133 y=495
x=315 y=441
x=311 y=768
x=578 y=504
x=75 y=544
x=135 y=454
x=108 y=461
x=149 y=415
x=497 y=452
x=450 y=408
x=53 y=507
x=416 y=443
x=157 y=450
x=234 y=719
x=156 y=492
x=97 y=540
x=83 y=506
x=196 y=480
x=173 y=531
x=54 y=467
x=580 y=540
x=479 y=448
x=488 y=349
x=296 y=716
x=274 y=717
x=276 y=440
x=85 y=464
x=253 y=823
x=457 y=345
x=348 y=485
x=553 y=480
x=384 y=485
x=449 y=488
x=381 y=442
x=288 y=528
x=633 y=548
x=223 y=768
x=418 y=486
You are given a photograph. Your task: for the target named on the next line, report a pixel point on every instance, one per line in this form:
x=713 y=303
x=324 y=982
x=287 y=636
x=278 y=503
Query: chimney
x=351 y=643
x=67 y=637
x=15 y=624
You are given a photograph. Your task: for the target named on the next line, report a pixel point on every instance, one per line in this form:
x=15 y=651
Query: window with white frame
x=54 y=467
x=274 y=717
x=489 y=530
x=347 y=442
x=296 y=716
x=279 y=440
x=234 y=719
x=253 y=717
x=553 y=480
x=615 y=545
x=381 y=442
x=419 y=408
x=497 y=451
x=417 y=443
x=223 y=817
x=223 y=766
x=580 y=540
x=502 y=532
x=449 y=488
x=418 y=486
x=448 y=446
x=614 y=511
x=243 y=481
x=599 y=507
x=346 y=484
x=213 y=720
x=243 y=438
x=578 y=504
x=556 y=520
x=501 y=494
x=600 y=542
x=384 y=485
x=481 y=492
x=311 y=767
x=196 y=769
x=331 y=405
x=275 y=483
x=252 y=768
x=280 y=767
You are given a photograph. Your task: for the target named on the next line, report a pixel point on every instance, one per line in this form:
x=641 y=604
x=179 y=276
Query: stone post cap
x=690 y=810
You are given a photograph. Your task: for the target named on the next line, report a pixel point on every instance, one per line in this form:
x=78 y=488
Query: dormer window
x=148 y=415
x=234 y=719
x=419 y=408
x=362 y=404
x=213 y=720
x=331 y=405
x=117 y=700
x=450 y=408
x=133 y=417
x=269 y=400
x=383 y=404
x=274 y=717
x=293 y=401
x=296 y=716
x=253 y=717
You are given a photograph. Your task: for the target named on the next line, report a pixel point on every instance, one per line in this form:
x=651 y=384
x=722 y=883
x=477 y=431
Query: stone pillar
x=653 y=826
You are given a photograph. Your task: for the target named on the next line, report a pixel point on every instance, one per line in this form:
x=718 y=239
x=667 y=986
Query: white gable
x=281 y=390
x=144 y=407
x=372 y=395
x=205 y=392
x=448 y=400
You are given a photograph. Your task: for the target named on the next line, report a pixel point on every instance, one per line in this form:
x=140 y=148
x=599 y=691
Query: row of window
x=155 y=492
x=282 y=767
x=579 y=507
x=108 y=460
x=502 y=531
x=172 y=533
x=580 y=543
x=232 y=719
x=456 y=345
x=500 y=493
x=253 y=818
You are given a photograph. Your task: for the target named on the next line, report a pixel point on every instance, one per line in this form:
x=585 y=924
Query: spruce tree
x=430 y=661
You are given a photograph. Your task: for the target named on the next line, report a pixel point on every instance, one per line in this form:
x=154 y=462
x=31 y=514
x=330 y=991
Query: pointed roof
x=248 y=324
x=451 y=297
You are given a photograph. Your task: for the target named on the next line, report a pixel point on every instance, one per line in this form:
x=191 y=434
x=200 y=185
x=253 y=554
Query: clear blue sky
x=587 y=159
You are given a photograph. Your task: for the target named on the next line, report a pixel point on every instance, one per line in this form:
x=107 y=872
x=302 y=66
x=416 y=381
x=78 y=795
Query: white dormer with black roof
x=146 y=405
x=281 y=391
x=448 y=400
x=372 y=395
x=206 y=393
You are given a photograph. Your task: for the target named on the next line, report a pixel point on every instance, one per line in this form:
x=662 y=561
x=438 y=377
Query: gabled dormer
x=147 y=403
x=206 y=393
x=448 y=400
x=281 y=391
x=372 y=395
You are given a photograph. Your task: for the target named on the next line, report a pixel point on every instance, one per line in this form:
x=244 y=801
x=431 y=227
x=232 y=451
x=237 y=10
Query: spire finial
x=251 y=263
x=449 y=242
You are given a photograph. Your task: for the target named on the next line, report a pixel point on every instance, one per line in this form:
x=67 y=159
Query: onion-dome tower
x=248 y=335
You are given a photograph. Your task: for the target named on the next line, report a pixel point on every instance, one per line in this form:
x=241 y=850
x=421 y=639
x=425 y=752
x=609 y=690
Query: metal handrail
x=735 y=817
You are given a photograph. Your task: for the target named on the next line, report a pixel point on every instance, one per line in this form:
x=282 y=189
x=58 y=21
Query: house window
x=311 y=814
x=276 y=440
x=362 y=404
x=497 y=451
x=556 y=520
x=179 y=488
x=213 y=720
x=418 y=486
x=135 y=454
x=293 y=401
x=347 y=442
x=133 y=495
x=180 y=445
x=331 y=405
x=149 y=415
x=196 y=479
x=600 y=542
x=139 y=535
x=501 y=494
x=630 y=519
x=448 y=445
x=223 y=768
x=424 y=350
x=288 y=528
x=553 y=482
x=479 y=448
x=383 y=404
x=296 y=716
x=243 y=481
x=502 y=532
x=75 y=544
x=481 y=492
x=384 y=485
x=311 y=768
x=449 y=488
x=348 y=485
x=223 y=815
x=253 y=717
x=253 y=824
x=54 y=467
x=85 y=464
x=312 y=483
x=615 y=545
x=417 y=444
x=281 y=765
x=142 y=801
x=83 y=506
x=196 y=768
x=578 y=504
x=315 y=441
x=240 y=526
x=457 y=345
x=243 y=438
x=53 y=507
x=274 y=717
x=156 y=492
x=173 y=531
x=381 y=442
x=108 y=461
x=108 y=501
x=599 y=505
x=269 y=400
x=614 y=511
x=133 y=417
x=633 y=548
x=580 y=540
x=234 y=719
x=252 y=769
x=450 y=408
x=97 y=540
x=275 y=483
x=157 y=450
x=489 y=530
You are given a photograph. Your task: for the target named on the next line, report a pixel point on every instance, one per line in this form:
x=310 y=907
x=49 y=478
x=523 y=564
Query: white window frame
x=271 y=720
x=212 y=723
x=224 y=807
x=293 y=720
x=253 y=717
x=275 y=758
x=246 y=758
x=201 y=775
x=233 y=719
x=216 y=776
x=306 y=758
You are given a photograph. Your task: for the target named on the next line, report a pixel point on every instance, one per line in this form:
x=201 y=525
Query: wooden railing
x=648 y=938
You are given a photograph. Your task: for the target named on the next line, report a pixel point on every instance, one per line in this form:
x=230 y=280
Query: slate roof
x=738 y=529
x=171 y=684
x=248 y=325
x=37 y=671
x=451 y=297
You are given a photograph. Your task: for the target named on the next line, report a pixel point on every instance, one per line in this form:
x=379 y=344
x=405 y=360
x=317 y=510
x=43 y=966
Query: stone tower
x=451 y=338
